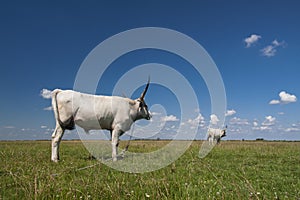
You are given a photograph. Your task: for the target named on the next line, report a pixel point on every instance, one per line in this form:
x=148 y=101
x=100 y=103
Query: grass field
x=232 y=170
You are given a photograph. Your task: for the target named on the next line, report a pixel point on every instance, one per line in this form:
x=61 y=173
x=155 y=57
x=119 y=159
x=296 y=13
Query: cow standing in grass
x=94 y=112
x=215 y=134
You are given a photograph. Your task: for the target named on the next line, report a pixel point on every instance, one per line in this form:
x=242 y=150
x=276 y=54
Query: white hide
x=215 y=134
x=93 y=112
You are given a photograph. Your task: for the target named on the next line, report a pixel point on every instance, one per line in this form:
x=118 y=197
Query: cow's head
x=223 y=132
x=142 y=110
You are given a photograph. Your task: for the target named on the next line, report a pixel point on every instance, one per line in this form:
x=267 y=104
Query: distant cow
x=92 y=112
x=215 y=134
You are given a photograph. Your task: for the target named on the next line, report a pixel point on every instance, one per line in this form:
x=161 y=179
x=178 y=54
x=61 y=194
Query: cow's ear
x=141 y=104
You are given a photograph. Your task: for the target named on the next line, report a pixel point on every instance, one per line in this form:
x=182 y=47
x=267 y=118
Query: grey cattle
x=215 y=134
x=94 y=112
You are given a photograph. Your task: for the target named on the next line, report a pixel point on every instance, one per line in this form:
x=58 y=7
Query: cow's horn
x=145 y=90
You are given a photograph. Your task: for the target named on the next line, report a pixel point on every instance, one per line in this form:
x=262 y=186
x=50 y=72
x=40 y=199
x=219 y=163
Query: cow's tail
x=55 y=106
x=69 y=124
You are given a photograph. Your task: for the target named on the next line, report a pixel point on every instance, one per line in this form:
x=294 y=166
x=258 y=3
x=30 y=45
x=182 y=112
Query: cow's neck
x=134 y=113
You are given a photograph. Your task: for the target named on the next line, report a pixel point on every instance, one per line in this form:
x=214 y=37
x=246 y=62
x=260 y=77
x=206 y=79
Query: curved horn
x=145 y=90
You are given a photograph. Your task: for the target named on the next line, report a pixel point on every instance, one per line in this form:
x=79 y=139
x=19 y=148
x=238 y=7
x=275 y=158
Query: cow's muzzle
x=149 y=117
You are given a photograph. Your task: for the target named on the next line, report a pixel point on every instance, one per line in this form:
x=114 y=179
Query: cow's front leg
x=115 y=143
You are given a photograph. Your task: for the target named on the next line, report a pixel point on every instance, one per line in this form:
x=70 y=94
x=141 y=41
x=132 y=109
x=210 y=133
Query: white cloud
x=251 y=40
x=48 y=108
x=199 y=120
x=292 y=129
x=214 y=119
x=238 y=121
x=262 y=128
x=273 y=102
x=230 y=112
x=45 y=93
x=255 y=124
x=9 y=127
x=285 y=98
x=270 y=118
x=155 y=113
x=269 y=121
x=271 y=49
x=170 y=118
x=276 y=43
x=267 y=125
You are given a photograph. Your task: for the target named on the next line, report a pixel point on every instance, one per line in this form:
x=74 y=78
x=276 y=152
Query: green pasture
x=232 y=170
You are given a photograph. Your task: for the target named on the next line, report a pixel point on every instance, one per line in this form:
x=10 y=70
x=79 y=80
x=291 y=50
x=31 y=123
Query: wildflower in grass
x=275 y=194
x=147 y=195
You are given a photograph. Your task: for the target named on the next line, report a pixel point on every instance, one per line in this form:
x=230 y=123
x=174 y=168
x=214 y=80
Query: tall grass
x=232 y=170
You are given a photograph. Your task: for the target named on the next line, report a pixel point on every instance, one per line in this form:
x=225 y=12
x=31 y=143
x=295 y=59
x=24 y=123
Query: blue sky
x=255 y=45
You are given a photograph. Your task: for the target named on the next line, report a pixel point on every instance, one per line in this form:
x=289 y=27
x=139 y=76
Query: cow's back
x=93 y=112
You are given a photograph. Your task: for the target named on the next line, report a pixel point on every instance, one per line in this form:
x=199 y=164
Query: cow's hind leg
x=56 y=138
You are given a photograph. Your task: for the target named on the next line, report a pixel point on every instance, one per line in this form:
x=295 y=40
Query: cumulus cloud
x=255 y=124
x=266 y=125
x=45 y=93
x=170 y=118
x=251 y=40
x=271 y=49
x=214 y=119
x=230 y=112
x=285 y=98
x=199 y=120
x=269 y=121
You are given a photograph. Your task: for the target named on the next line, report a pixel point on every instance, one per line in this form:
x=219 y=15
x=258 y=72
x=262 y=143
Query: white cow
x=94 y=112
x=215 y=134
